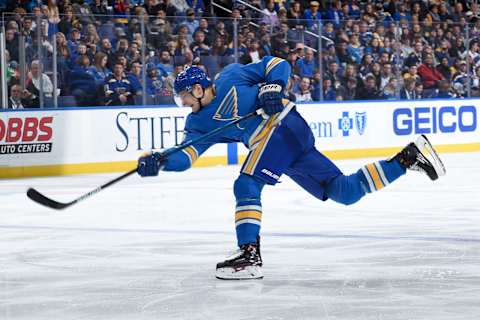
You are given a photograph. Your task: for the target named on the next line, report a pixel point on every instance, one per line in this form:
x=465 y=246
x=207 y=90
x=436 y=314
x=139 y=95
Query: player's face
x=186 y=99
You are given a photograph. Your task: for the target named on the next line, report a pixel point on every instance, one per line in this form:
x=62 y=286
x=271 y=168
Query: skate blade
x=251 y=272
x=429 y=152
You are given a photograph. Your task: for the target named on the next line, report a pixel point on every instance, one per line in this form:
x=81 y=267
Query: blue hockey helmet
x=187 y=78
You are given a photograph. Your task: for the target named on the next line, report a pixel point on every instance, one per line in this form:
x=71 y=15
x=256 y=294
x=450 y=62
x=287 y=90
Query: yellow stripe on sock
x=375 y=176
x=248 y=215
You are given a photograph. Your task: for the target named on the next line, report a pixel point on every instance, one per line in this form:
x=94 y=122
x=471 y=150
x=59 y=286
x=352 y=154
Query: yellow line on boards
x=123 y=166
x=83 y=168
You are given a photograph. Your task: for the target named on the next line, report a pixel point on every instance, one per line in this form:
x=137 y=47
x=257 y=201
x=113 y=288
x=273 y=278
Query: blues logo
x=360 y=122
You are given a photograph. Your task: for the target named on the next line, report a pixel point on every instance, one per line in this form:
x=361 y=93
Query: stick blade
x=43 y=200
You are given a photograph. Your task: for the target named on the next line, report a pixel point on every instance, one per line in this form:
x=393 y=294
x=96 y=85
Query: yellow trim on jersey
x=375 y=176
x=192 y=153
x=271 y=64
x=263 y=132
x=248 y=215
x=262 y=140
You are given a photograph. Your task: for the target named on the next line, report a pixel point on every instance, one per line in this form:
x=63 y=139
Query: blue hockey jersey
x=236 y=91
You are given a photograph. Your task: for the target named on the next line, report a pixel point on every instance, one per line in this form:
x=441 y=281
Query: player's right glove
x=270 y=98
x=150 y=164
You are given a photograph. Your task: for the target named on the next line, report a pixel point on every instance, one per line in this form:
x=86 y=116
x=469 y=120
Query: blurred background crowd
x=128 y=52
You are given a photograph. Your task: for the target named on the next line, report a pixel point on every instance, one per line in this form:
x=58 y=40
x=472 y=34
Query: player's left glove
x=270 y=98
x=150 y=164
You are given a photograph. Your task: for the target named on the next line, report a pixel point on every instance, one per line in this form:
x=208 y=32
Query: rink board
x=70 y=141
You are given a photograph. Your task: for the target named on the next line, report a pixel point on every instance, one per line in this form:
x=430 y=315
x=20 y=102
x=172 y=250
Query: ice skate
x=421 y=156
x=245 y=263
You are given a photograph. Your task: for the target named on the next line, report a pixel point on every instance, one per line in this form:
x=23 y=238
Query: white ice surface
x=147 y=249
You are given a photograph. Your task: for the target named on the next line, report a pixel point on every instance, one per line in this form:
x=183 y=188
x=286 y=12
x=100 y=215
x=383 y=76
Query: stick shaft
x=42 y=199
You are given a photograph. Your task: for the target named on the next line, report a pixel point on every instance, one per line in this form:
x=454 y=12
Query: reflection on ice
x=146 y=249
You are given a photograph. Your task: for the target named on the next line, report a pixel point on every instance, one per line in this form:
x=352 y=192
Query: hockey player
x=279 y=143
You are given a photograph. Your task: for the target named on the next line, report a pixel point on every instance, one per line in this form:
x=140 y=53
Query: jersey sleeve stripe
x=375 y=176
x=271 y=64
x=192 y=154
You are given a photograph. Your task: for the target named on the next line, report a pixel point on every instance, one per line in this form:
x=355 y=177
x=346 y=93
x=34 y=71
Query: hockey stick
x=48 y=202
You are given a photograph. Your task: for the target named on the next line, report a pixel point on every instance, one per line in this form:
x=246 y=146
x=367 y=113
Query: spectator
x=152 y=7
x=53 y=12
x=408 y=90
x=419 y=91
x=307 y=64
x=154 y=85
x=191 y=23
x=476 y=82
x=171 y=78
x=158 y=36
x=204 y=27
x=181 y=46
x=84 y=13
x=133 y=53
x=118 y=88
x=99 y=70
x=329 y=93
x=169 y=9
x=412 y=72
x=303 y=93
x=82 y=83
x=33 y=84
x=369 y=90
x=332 y=73
x=106 y=48
x=99 y=9
x=335 y=14
x=198 y=46
x=221 y=31
x=444 y=90
x=18 y=99
x=415 y=58
x=386 y=75
x=165 y=66
x=65 y=25
x=461 y=79
x=349 y=91
x=295 y=15
x=27 y=28
x=389 y=90
x=445 y=69
x=135 y=77
x=458 y=49
x=355 y=48
x=269 y=14
x=350 y=71
x=219 y=48
x=11 y=41
x=313 y=15
x=429 y=75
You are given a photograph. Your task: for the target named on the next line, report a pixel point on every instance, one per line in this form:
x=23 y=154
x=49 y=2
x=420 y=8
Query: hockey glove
x=270 y=98
x=150 y=164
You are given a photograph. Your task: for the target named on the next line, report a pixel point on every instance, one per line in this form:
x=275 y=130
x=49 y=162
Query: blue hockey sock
x=372 y=177
x=248 y=211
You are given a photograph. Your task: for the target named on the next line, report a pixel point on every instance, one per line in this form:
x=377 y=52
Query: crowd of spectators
x=367 y=50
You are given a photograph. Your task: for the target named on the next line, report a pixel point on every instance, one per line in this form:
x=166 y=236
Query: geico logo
x=26 y=130
x=435 y=119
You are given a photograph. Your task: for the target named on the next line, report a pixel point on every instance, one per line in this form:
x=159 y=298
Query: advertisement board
x=54 y=142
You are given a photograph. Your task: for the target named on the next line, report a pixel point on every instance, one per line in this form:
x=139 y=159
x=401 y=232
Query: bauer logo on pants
x=26 y=135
